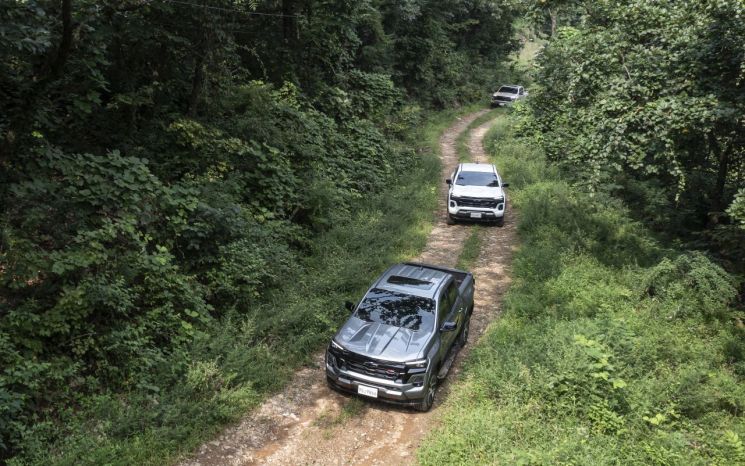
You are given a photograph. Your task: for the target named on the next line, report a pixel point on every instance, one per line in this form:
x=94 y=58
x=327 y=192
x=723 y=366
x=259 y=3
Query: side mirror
x=448 y=326
x=448 y=181
x=349 y=305
x=505 y=185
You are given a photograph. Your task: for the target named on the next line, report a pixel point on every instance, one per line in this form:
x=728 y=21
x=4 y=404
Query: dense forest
x=190 y=188
x=170 y=168
x=652 y=110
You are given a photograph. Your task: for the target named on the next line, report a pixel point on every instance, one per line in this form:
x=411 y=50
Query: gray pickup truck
x=403 y=336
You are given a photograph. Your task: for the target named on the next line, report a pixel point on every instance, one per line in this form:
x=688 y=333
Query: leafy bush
x=690 y=285
x=651 y=111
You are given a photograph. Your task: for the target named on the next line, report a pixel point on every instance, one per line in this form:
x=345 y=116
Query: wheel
x=463 y=337
x=500 y=221
x=450 y=220
x=429 y=399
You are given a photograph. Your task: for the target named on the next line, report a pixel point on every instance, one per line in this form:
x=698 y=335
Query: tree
x=653 y=105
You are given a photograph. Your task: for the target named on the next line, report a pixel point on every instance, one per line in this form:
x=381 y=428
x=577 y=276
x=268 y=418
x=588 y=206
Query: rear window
x=508 y=90
x=477 y=179
x=408 y=281
x=397 y=309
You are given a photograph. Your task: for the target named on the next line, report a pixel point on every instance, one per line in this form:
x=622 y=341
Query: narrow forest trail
x=307 y=423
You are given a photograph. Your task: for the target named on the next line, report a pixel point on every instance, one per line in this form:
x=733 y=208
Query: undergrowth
x=240 y=360
x=612 y=349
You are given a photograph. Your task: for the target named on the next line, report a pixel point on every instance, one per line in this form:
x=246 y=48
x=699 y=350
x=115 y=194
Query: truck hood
x=477 y=191
x=380 y=341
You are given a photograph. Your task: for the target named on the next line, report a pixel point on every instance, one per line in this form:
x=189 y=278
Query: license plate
x=475 y=214
x=367 y=391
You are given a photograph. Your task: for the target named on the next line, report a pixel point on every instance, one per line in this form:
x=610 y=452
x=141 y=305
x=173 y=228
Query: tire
x=429 y=399
x=450 y=220
x=463 y=337
x=332 y=386
x=500 y=221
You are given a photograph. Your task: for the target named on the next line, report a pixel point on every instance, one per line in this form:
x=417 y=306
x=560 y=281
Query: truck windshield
x=508 y=90
x=477 y=179
x=397 y=309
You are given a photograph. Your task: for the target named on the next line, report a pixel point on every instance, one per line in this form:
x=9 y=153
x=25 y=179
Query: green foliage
x=737 y=209
x=173 y=169
x=651 y=109
x=471 y=249
x=690 y=285
x=611 y=349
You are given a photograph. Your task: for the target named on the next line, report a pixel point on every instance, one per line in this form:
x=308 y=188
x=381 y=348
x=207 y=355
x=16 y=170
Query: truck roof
x=414 y=279
x=477 y=167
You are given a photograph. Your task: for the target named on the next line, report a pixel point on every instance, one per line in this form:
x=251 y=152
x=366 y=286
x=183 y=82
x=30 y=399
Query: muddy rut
x=307 y=423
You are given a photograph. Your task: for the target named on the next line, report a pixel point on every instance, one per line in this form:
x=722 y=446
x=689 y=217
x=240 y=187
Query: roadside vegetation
x=622 y=338
x=612 y=348
x=471 y=248
x=191 y=189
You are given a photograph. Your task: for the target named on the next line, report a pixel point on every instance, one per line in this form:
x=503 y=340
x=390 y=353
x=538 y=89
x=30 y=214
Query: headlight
x=336 y=346
x=417 y=380
x=419 y=363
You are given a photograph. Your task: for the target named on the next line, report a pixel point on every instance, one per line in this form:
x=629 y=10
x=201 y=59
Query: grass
x=461 y=142
x=243 y=359
x=471 y=249
x=612 y=348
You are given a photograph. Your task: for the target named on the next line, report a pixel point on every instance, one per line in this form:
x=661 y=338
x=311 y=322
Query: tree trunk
x=66 y=43
x=288 y=21
x=716 y=206
x=197 y=84
x=200 y=69
x=554 y=20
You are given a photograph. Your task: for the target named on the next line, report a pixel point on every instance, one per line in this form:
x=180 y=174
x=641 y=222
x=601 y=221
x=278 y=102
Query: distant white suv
x=508 y=94
x=476 y=193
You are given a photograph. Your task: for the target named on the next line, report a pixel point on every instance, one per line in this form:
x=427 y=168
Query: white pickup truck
x=476 y=193
x=507 y=95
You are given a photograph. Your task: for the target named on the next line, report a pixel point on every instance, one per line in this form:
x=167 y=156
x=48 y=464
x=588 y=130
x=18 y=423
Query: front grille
x=477 y=202
x=502 y=98
x=367 y=366
x=381 y=372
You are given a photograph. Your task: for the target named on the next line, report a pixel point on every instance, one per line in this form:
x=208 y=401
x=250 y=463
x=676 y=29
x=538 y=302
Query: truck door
x=450 y=310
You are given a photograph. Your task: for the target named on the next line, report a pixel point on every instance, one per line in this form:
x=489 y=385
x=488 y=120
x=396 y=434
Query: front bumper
x=501 y=103
x=476 y=213
x=389 y=391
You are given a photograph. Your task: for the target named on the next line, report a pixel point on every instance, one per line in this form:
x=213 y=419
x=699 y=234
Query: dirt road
x=309 y=424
